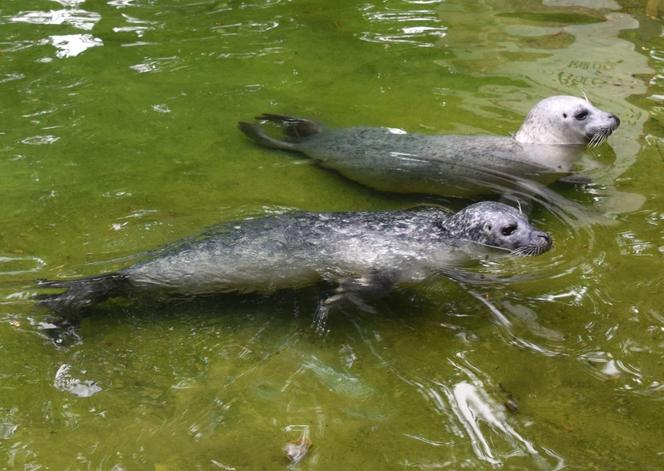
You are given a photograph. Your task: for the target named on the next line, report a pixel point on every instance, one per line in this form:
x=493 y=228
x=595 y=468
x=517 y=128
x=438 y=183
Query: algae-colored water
x=118 y=134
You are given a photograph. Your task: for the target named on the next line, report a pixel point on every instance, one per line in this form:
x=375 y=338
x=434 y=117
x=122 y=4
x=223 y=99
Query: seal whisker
x=521 y=251
x=585 y=97
x=600 y=137
x=528 y=250
x=591 y=143
x=483 y=244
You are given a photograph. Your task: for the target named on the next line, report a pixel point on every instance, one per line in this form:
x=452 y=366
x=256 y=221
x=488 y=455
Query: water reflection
x=68 y=45
x=473 y=407
x=339 y=382
x=402 y=25
x=64 y=381
x=71 y=45
x=137 y=26
x=159 y=64
x=470 y=411
x=576 y=337
x=121 y=3
x=77 y=18
x=20 y=264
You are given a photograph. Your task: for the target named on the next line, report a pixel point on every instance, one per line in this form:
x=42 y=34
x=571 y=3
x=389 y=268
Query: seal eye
x=581 y=115
x=564 y=115
x=508 y=230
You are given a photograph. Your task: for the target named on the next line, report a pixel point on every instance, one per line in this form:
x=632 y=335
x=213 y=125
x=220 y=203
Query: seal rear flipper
x=295 y=131
x=294 y=128
x=81 y=293
x=256 y=134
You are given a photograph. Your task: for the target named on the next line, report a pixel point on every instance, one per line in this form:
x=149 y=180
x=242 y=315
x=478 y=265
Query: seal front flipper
x=358 y=289
x=295 y=131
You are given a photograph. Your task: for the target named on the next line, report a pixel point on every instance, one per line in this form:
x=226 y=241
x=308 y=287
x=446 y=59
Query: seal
x=544 y=149
x=361 y=249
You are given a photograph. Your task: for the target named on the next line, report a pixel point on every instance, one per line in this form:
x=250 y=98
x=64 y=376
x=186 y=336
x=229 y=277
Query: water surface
x=117 y=135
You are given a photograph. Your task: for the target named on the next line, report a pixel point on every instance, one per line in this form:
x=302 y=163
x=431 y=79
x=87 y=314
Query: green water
x=118 y=134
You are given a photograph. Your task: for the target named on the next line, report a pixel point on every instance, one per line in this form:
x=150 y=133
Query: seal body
x=551 y=138
x=296 y=250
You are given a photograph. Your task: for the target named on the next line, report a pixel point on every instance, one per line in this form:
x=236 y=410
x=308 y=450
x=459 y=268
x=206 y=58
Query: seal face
x=499 y=226
x=551 y=138
x=566 y=120
x=296 y=250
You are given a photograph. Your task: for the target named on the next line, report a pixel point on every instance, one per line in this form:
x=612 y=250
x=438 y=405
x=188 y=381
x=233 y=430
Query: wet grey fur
x=552 y=137
x=296 y=250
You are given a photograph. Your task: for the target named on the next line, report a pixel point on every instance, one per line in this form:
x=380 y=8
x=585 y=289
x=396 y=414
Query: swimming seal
x=295 y=250
x=551 y=138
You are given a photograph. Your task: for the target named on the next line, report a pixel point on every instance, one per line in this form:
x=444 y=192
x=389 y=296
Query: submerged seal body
x=296 y=250
x=550 y=140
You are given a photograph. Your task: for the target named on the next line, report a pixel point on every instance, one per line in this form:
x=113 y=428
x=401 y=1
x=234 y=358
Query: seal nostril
x=546 y=237
x=616 y=118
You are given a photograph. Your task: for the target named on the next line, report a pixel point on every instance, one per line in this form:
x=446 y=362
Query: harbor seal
x=544 y=149
x=296 y=250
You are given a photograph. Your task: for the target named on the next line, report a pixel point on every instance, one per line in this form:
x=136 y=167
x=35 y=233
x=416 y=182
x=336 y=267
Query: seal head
x=498 y=226
x=566 y=120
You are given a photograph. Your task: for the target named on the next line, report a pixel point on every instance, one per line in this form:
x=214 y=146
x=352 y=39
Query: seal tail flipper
x=81 y=293
x=295 y=131
x=295 y=128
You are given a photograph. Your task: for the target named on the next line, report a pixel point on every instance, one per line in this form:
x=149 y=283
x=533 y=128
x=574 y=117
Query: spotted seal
x=295 y=250
x=551 y=138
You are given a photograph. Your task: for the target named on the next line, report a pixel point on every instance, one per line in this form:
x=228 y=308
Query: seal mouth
x=530 y=250
x=598 y=137
x=601 y=134
x=543 y=244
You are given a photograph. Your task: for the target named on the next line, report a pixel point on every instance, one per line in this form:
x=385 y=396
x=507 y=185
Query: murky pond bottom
x=119 y=134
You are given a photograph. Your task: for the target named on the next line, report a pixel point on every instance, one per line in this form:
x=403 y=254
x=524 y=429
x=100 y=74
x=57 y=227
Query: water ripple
x=156 y=64
x=11 y=77
x=40 y=140
x=20 y=264
x=247 y=27
x=470 y=411
x=138 y=26
x=472 y=405
x=80 y=19
x=394 y=28
x=65 y=382
x=121 y=3
x=71 y=45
